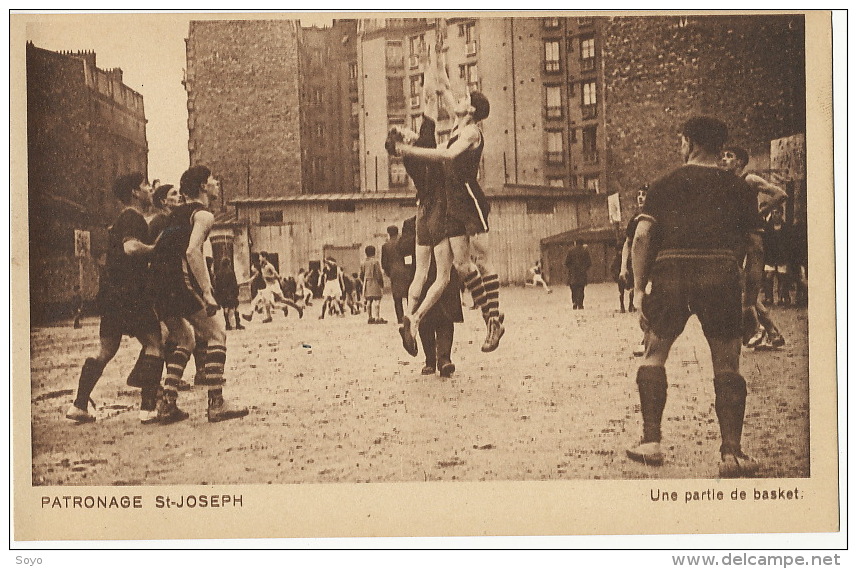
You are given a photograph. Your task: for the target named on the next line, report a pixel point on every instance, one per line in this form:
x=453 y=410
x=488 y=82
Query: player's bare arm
x=469 y=138
x=640 y=256
x=202 y=223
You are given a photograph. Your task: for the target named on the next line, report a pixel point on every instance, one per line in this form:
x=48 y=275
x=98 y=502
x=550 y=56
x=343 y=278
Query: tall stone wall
x=244 y=104
x=659 y=71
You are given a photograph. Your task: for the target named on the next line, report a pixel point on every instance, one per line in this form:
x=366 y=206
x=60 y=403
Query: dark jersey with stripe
x=467 y=205
x=175 y=289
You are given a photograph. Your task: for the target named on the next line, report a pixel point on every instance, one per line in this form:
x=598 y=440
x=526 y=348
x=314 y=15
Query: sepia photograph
x=322 y=274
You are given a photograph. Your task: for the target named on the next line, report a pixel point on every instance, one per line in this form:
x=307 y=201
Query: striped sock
x=474 y=283
x=176 y=364
x=199 y=352
x=492 y=292
x=215 y=362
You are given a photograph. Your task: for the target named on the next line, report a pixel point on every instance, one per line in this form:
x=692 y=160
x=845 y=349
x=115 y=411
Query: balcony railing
x=590 y=157
x=413 y=61
x=415 y=101
x=589 y=111
x=550 y=23
x=396 y=102
x=556 y=158
x=552 y=66
x=587 y=64
x=395 y=62
x=470 y=48
x=553 y=112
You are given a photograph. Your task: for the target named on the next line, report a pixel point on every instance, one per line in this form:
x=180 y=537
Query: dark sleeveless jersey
x=467 y=206
x=465 y=166
x=174 y=288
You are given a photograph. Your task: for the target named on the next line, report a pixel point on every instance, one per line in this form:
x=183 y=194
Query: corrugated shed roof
x=359 y=196
x=585 y=234
x=509 y=191
x=226 y=218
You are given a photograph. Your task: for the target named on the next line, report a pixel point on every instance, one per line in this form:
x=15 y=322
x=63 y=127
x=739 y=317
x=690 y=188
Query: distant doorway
x=348 y=258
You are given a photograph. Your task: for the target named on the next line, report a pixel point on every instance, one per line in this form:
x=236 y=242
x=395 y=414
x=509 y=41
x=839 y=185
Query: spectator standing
x=393 y=265
x=373 y=285
x=577 y=263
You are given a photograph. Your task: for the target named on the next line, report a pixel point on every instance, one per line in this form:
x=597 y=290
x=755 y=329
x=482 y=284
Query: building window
x=587 y=54
x=553 y=102
x=555 y=182
x=398 y=175
x=468 y=32
x=318 y=173
x=555 y=151
x=552 y=56
x=470 y=74
x=340 y=207
x=395 y=92
x=319 y=132
x=590 y=183
x=395 y=57
x=540 y=207
x=416 y=89
x=416 y=46
x=585 y=21
x=590 y=145
x=352 y=70
x=316 y=96
x=550 y=23
x=270 y=216
x=317 y=58
x=589 y=99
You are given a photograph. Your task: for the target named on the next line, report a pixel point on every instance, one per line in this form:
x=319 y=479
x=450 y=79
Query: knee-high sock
x=491 y=283
x=149 y=375
x=176 y=364
x=89 y=374
x=652 y=384
x=147 y=371
x=215 y=362
x=134 y=379
x=473 y=282
x=730 y=399
x=199 y=353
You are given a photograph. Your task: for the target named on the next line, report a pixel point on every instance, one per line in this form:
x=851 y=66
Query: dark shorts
x=431 y=228
x=708 y=287
x=467 y=211
x=123 y=319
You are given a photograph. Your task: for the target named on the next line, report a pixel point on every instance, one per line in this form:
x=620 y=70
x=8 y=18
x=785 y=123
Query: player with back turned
x=698 y=219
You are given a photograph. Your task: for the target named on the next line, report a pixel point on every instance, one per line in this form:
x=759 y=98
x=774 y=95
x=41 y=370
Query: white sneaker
x=79 y=415
x=648 y=453
x=148 y=417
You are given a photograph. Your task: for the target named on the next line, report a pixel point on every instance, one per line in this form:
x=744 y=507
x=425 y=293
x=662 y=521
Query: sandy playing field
x=337 y=400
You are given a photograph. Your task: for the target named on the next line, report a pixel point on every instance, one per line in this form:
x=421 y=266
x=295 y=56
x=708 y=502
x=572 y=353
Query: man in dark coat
x=393 y=265
x=577 y=263
x=438 y=326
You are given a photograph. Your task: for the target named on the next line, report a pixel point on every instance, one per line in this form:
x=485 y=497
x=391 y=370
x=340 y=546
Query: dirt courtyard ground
x=337 y=400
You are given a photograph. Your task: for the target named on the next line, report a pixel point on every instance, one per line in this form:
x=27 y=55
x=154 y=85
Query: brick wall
x=244 y=106
x=748 y=71
x=76 y=147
